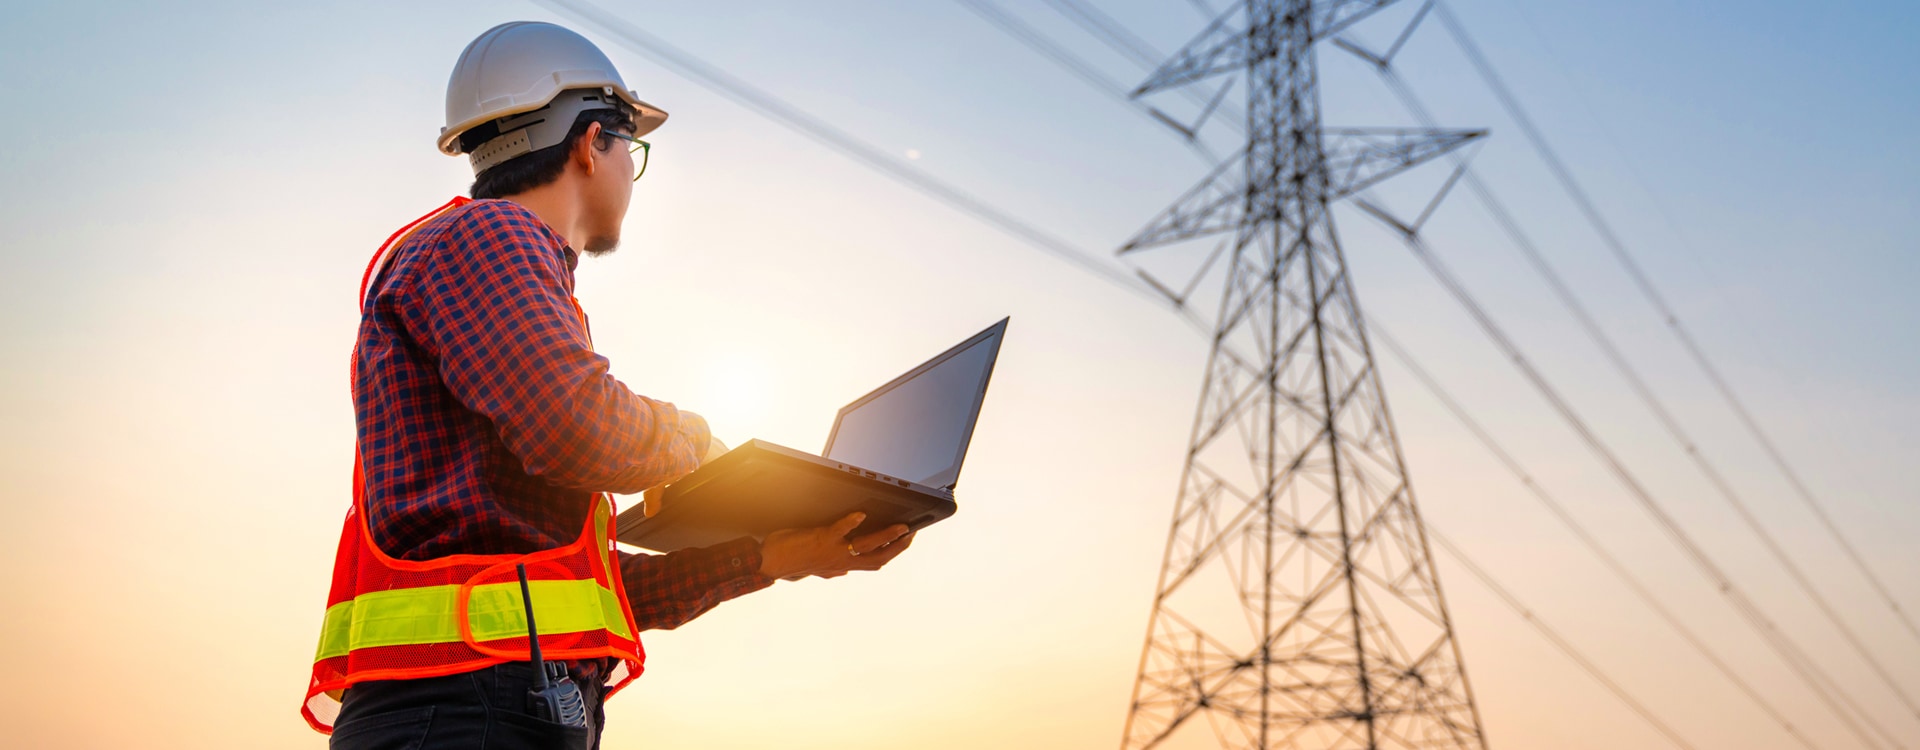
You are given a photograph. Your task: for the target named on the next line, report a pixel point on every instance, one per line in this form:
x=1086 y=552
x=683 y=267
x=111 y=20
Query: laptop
x=894 y=454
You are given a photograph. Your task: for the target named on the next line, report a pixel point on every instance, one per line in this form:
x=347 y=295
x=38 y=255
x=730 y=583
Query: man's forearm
x=666 y=591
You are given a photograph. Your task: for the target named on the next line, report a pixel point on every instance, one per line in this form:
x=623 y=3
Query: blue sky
x=190 y=193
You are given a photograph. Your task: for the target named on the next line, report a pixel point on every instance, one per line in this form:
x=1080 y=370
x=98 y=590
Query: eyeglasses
x=640 y=147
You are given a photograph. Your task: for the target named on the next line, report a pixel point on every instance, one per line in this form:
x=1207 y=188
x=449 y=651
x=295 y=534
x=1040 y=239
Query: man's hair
x=535 y=168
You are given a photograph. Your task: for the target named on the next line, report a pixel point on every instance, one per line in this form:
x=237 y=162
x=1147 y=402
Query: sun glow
x=733 y=396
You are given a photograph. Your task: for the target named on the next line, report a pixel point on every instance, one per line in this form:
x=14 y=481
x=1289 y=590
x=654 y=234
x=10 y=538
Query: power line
x=1642 y=390
x=1554 y=637
x=1115 y=35
x=1621 y=159
x=1579 y=530
x=839 y=140
x=1619 y=251
x=1038 y=42
x=1104 y=26
x=1795 y=658
x=1203 y=8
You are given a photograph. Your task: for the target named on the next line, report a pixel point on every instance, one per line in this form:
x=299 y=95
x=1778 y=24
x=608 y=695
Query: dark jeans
x=482 y=710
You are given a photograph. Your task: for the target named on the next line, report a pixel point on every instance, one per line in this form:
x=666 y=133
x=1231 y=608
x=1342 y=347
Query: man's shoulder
x=484 y=229
x=487 y=220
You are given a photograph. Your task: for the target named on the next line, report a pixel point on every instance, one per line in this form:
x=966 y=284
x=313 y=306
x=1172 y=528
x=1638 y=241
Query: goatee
x=598 y=246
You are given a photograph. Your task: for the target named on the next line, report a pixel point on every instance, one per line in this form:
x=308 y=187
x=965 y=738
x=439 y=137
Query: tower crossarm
x=1222 y=47
x=1215 y=205
x=1359 y=157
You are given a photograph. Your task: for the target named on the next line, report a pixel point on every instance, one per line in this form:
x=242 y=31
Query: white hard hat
x=521 y=67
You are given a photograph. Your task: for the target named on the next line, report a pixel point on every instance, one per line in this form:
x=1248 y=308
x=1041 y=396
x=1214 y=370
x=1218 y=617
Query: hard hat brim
x=646 y=117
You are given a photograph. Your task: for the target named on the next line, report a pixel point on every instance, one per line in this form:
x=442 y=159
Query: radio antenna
x=533 y=633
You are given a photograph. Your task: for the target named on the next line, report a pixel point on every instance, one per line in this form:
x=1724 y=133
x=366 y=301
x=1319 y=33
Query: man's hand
x=825 y=551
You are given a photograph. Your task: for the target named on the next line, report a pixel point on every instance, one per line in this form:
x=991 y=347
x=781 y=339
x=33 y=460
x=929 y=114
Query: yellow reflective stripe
x=616 y=619
x=333 y=631
x=602 y=513
x=417 y=616
x=616 y=616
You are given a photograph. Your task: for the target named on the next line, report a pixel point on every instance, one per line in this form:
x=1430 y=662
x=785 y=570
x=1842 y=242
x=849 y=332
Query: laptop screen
x=918 y=426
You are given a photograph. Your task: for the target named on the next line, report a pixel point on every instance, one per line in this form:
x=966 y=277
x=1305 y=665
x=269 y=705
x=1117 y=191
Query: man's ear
x=582 y=153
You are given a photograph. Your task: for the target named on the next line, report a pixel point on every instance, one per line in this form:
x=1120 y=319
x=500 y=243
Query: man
x=489 y=432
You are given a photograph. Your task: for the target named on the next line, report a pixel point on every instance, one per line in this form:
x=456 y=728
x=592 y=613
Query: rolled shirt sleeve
x=666 y=591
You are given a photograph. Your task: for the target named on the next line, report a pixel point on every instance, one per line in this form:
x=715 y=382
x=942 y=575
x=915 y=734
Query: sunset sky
x=188 y=196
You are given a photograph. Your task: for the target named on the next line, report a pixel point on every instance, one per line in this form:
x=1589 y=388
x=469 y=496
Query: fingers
x=875 y=559
x=842 y=527
x=825 y=548
x=867 y=543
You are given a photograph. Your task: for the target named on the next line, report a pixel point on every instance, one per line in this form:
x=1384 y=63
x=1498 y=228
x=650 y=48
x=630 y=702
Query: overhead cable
x=1117 y=37
x=1378 y=332
x=1795 y=658
x=1591 y=327
x=1038 y=42
x=1506 y=597
x=1104 y=26
x=1672 y=319
x=767 y=105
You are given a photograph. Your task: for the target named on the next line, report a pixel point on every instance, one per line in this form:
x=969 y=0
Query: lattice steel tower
x=1298 y=604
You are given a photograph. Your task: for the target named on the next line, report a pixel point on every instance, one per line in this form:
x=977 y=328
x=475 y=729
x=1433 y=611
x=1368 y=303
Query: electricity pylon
x=1298 y=604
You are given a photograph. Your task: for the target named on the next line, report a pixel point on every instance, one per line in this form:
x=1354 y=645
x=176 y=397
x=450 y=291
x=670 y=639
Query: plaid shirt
x=486 y=422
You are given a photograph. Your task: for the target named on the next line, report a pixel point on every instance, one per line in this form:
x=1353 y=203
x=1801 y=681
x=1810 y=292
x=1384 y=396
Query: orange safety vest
x=393 y=619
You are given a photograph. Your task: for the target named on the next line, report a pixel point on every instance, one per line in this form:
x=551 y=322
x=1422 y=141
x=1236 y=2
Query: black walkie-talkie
x=553 y=696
